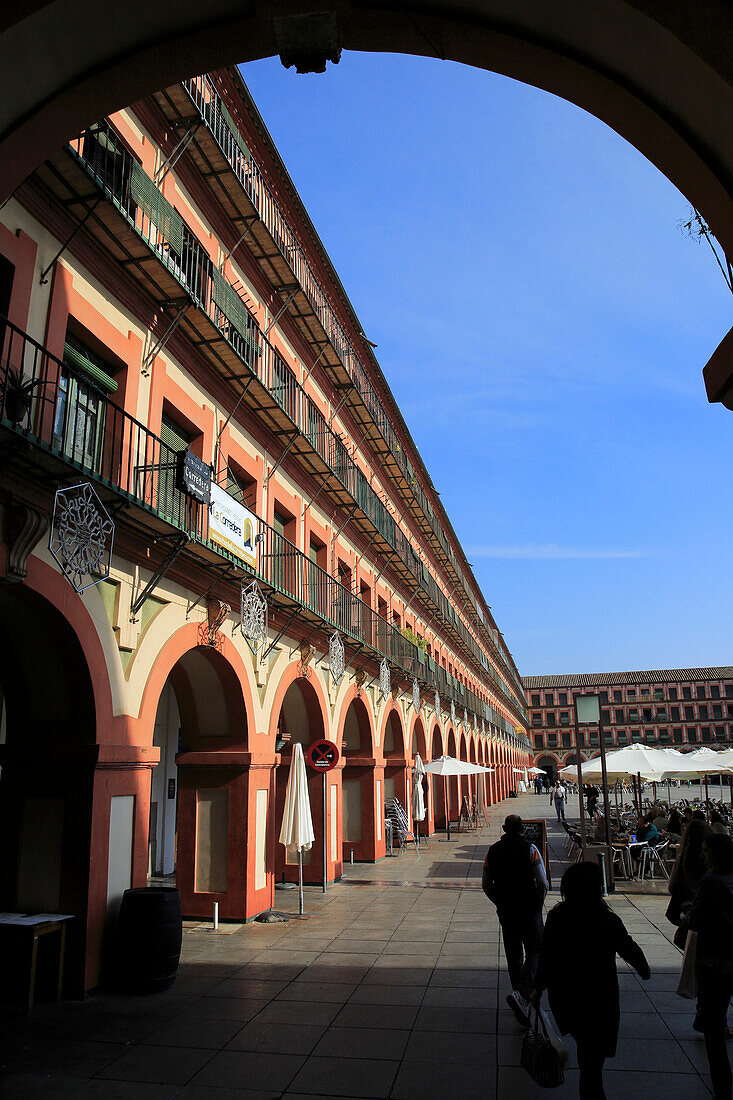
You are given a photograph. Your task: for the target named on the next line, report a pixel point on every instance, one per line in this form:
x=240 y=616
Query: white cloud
x=550 y=552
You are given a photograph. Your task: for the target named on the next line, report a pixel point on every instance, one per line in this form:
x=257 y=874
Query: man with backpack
x=559 y=795
x=514 y=878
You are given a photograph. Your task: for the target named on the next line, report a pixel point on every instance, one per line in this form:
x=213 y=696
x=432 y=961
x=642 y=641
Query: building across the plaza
x=219 y=538
x=681 y=707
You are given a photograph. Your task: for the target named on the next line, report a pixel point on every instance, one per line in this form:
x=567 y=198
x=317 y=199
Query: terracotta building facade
x=219 y=538
x=680 y=708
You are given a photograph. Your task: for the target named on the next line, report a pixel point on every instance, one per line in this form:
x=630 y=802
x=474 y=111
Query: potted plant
x=18 y=395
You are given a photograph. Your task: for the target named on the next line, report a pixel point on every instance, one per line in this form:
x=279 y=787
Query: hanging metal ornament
x=465 y=719
x=483 y=728
x=475 y=724
x=453 y=712
x=385 y=678
x=437 y=706
x=336 y=658
x=253 y=616
x=416 y=695
x=81 y=537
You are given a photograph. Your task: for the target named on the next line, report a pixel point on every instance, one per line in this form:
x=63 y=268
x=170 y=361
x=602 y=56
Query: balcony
x=221 y=156
x=71 y=426
x=147 y=236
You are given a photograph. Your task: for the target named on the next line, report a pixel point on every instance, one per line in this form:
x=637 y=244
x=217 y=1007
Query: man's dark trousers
x=522 y=934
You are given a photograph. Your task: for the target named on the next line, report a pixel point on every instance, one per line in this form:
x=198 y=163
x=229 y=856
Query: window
x=621 y=737
x=550 y=718
x=677 y=735
x=631 y=693
x=700 y=691
x=604 y=696
x=647 y=714
x=686 y=693
x=79 y=416
x=535 y=700
x=703 y=711
x=720 y=733
x=645 y=693
x=171 y=502
x=635 y=735
x=714 y=691
x=549 y=699
x=539 y=741
x=717 y=711
x=658 y=694
x=672 y=694
x=566 y=741
x=730 y=710
x=552 y=740
x=594 y=738
x=617 y=698
x=664 y=735
x=633 y=714
x=605 y=717
x=692 y=735
x=564 y=718
x=689 y=714
x=729 y=691
x=674 y=714
x=562 y=698
x=661 y=714
x=536 y=719
x=649 y=735
x=705 y=733
x=619 y=715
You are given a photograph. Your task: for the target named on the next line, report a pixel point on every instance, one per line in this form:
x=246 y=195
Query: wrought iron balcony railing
x=205 y=97
x=159 y=225
x=60 y=411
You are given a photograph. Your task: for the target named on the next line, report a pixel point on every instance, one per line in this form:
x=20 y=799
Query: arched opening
x=301 y=720
x=549 y=767
x=48 y=775
x=436 y=785
x=200 y=798
x=453 y=786
x=396 y=780
x=418 y=745
x=362 y=797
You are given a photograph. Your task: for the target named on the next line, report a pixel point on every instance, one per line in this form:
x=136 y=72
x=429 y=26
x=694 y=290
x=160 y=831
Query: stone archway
x=396 y=780
x=436 y=786
x=48 y=781
x=549 y=765
x=362 y=784
x=201 y=801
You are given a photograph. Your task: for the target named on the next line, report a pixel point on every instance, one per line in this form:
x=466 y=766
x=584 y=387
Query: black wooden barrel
x=148 y=940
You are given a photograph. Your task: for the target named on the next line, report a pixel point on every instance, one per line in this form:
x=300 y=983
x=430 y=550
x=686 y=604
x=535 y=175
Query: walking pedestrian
x=514 y=878
x=559 y=795
x=596 y=1031
x=712 y=918
x=591 y=799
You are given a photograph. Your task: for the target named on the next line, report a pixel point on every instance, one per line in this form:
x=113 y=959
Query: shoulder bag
x=540 y=1055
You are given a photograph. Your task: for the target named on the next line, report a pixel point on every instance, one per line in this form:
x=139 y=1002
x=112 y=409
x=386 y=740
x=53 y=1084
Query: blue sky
x=543 y=324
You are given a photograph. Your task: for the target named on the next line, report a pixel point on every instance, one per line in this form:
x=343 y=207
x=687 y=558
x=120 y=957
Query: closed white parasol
x=418 y=796
x=297 y=827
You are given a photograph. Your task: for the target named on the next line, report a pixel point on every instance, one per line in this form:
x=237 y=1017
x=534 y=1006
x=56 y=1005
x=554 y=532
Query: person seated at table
x=717 y=823
x=698 y=815
x=646 y=830
x=661 y=819
x=687 y=815
x=599 y=833
x=675 y=824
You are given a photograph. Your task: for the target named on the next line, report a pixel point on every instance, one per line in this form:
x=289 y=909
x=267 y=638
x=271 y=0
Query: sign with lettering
x=323 y=755
x=193 y=476
x=232 y=526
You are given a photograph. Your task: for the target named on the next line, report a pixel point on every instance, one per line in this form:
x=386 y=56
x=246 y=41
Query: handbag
x=688 y=972
x=540 y=1056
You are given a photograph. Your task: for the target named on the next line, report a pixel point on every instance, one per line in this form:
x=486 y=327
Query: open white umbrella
x=297 y=827
x=418 y=798
x=449 y=766
x=701 y=764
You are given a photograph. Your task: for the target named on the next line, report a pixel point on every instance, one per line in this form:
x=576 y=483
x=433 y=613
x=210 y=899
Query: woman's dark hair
x=674 y=825
x=691 y=858
x=582 y=885
x=698 y=815
x=716 y=818
x=718 y=852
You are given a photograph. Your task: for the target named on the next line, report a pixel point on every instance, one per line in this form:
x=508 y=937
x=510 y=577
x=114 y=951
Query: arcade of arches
x=162 y=762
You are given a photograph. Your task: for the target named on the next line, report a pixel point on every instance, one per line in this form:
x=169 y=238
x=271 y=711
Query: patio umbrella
x=418 y=798
x=449 y=766
x=297 y=827
x=702 y=763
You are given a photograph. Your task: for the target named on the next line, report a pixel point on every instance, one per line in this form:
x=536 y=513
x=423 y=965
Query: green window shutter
x=148 y=197
x=173 y=435
x=89 y=365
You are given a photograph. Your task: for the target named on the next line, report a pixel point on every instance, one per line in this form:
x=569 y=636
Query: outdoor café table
x=23 y=930
x=625 y=847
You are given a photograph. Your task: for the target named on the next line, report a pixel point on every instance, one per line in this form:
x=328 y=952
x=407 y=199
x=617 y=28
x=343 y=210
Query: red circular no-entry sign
x=323 y=755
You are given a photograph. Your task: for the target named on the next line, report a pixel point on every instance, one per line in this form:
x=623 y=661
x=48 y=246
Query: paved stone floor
x=393 y=987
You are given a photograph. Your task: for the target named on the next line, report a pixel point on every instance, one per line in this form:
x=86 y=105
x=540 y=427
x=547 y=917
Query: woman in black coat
x=583 y=919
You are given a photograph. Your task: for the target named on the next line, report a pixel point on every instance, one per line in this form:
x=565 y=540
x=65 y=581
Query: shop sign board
x=232 y=526
x=193 y=476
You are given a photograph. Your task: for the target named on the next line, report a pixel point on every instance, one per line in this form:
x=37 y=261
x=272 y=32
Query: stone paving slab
x=393 y=987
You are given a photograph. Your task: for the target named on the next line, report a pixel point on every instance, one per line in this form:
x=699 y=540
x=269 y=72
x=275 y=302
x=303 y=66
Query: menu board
x=536 y=833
